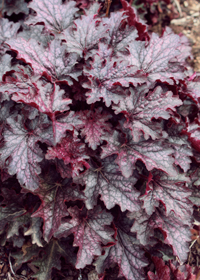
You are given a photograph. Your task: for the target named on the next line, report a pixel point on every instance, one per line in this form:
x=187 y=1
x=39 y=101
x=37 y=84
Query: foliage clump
x=100 y=141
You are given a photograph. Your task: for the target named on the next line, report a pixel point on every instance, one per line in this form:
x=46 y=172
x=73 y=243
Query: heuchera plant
x=100 y=141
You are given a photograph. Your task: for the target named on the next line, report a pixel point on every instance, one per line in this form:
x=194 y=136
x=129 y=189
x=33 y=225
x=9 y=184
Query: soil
x=183 y=17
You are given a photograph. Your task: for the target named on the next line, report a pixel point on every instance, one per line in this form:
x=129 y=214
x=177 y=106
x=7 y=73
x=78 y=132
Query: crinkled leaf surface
x=118 y=37
x=193 y=132
x=50 y=60
x=108 y=182
x=68 y=79
x=90 y=229
x=21 y=153
x=85 y=35
x=176 y=231
x=141 y=106
x=104 y=73
x=69 y=121
x=72 y=152
x=56 y=15
x=94 y=125
x=154 y=154
x=36 y=32
x=183 y=152
x=21 y=84
x=171 y=192
x=7 y=29
x=126 y=252
x=52 y=208
x=143 y=225
x=48 y=99
x=163 y=58
x=193 y=88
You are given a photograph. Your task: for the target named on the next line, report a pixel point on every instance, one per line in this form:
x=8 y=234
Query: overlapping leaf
x=7 y=29
x=56 y=15
x=21 y=84
x=35 y=231
x=21 y=152
x=9 y=213
x=171 y=192
x=72 y=152
x=183 y=152
x=51 y=259
x=94 y=125
x=90 y=229
x=15 y=7
x=52 y=209
x=164 y=272
x=108 y=182
x=141 y=106
x=78 y=76
x=126 y=252
x=37 y=32
x=85 y=35
x=50 y=60
x=105 y=73
x=48 y=99
x=154 y=154
x=193 y=132
x=176 y=231
x=163 y=58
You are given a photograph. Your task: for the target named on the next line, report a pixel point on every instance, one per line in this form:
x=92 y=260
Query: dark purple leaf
x=94 y=125
x=49 y=60
x=126 y=252
x=141 y=106
x=48 y=99
x=108 y=182
x=21 y=153
x=52 y=209
x=162 y=270
x=172 y=192
x=105 y=73
x=89 y=231
x=154 y=154
x=175 y=230
x=72 y=152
